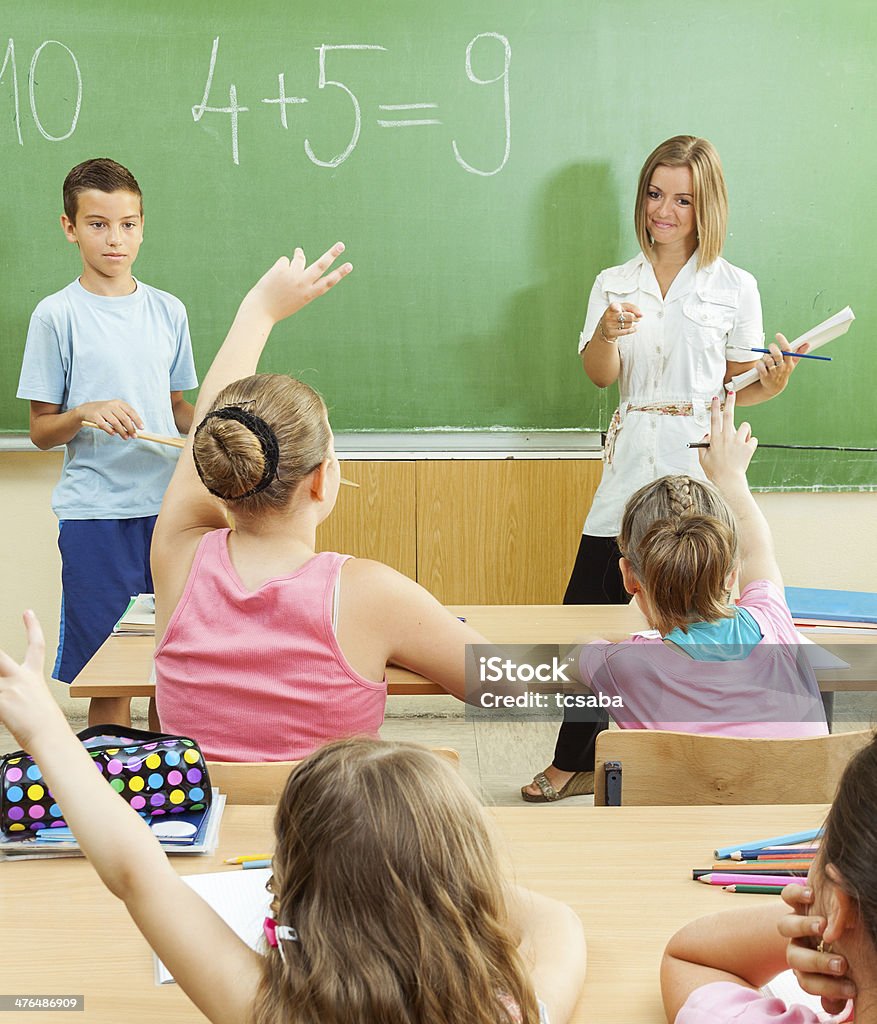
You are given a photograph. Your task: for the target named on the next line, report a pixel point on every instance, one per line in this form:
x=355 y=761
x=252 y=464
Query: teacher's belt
x=698 y=409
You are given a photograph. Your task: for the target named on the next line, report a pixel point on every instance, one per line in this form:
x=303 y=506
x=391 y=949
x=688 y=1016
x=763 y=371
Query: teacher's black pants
x=595 y=579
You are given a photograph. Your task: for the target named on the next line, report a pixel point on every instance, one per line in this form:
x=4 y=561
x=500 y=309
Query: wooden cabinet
x=472 y=531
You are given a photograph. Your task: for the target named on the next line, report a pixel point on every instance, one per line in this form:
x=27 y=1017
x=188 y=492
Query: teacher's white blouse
x=677 y=356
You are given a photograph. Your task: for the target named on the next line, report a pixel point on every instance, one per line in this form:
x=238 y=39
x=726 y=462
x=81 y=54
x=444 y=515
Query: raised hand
x=291 y=284
x=26 y=706
x=731 y=448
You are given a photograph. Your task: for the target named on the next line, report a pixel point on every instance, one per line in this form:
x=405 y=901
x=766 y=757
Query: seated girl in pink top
x=707 y=665
x=266 y=650
x=713 y=968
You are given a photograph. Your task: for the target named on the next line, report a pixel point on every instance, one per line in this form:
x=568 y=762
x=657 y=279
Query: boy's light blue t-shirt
x=82 y=348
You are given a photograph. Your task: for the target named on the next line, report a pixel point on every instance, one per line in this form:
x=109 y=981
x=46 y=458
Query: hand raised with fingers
x=26 y=706
x=819 y=972
x=620 y=319
x=731 y=448
x=291 y=284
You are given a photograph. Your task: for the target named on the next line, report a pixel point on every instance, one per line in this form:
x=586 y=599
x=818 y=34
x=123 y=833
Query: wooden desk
x=626 y=872
x=122 y=666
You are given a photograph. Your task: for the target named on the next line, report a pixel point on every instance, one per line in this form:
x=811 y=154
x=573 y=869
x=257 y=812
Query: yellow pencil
x=173 y=442
x=248 y=857
x=176 y=442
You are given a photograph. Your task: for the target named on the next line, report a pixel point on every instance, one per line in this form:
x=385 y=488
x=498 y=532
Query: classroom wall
x=844 y=557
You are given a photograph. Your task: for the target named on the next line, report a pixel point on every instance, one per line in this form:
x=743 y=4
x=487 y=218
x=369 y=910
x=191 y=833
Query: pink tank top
x=258 y=675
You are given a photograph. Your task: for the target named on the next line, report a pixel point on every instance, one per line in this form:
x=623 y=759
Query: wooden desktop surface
x=121 y=667
x=625 y=870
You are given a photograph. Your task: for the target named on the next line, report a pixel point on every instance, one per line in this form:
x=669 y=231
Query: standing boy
x=114 y=351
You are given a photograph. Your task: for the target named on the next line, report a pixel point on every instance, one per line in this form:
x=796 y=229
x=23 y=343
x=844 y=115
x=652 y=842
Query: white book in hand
x=816 y=337
x=241 y=900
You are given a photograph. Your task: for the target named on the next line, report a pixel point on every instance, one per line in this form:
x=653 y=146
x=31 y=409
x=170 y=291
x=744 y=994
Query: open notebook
x=241 y=900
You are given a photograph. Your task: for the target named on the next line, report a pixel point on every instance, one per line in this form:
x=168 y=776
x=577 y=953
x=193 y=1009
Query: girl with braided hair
x=267 y=649
x=707 y=665
x=669 y=327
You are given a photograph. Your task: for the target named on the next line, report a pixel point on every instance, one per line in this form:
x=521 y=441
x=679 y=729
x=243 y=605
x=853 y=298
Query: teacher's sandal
x=581 y=784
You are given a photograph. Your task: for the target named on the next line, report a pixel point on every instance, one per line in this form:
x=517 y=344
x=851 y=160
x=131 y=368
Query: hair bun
x=245 y=453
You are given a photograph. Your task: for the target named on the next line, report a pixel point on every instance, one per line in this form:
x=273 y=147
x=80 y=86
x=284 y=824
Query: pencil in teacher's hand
x=793 y=355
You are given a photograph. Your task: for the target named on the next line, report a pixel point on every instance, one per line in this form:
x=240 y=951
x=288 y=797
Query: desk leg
x=828 y=704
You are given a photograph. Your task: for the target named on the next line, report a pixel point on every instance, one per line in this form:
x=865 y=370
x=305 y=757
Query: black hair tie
x=266 y=437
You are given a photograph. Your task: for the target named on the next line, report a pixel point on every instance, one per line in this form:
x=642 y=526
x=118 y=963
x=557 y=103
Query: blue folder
x=833 y=605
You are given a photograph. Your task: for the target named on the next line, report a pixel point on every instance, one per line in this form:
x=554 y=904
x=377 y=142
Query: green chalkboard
x=476 y=232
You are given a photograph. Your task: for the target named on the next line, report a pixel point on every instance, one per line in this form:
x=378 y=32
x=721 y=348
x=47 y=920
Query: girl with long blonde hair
x=389 y=903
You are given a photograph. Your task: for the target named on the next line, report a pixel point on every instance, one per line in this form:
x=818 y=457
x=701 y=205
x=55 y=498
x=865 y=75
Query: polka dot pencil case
x=157 y=774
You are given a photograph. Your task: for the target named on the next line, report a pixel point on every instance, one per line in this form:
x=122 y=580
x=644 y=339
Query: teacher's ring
x=621 y=319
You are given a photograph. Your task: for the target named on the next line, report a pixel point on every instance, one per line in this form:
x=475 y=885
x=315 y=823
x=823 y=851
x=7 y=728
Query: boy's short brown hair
x=102 y=174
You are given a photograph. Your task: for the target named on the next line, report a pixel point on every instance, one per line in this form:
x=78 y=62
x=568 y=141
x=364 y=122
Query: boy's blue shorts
x=103 y=563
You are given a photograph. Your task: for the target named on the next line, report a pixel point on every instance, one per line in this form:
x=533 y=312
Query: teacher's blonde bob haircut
x=710 y=193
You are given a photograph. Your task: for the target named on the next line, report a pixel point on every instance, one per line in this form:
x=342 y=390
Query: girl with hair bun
x=708 y=665
x=265 y=648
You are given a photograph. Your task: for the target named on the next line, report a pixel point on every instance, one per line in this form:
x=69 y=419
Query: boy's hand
x=290 y=284
x=731 y=449
x=26 y=706
x=820 y=974
x=113 y=416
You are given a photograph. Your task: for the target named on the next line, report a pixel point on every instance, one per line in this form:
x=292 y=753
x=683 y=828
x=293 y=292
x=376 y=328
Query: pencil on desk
x=765 y=890
x=732 y=878
x=247 y=857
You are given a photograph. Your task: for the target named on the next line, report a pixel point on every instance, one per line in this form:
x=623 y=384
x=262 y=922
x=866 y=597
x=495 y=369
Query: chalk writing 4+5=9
x=424 y=110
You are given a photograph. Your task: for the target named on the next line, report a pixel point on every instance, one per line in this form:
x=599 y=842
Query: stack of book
x=833 y=611
x=138 y=619
x=184 y=833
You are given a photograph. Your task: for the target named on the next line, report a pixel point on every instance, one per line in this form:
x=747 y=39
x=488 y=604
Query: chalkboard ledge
x=436 y=444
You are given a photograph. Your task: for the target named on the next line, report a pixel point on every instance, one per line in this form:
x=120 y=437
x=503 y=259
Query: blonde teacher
x=671 y=326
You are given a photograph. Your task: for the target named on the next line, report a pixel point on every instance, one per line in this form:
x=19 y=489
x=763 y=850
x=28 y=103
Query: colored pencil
x=766 y=890
x=729 y=878
x=247 y=864
x=800 y=873
x=792 y=355
x=776 y=851
x=759 y=844
x=248 y=856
